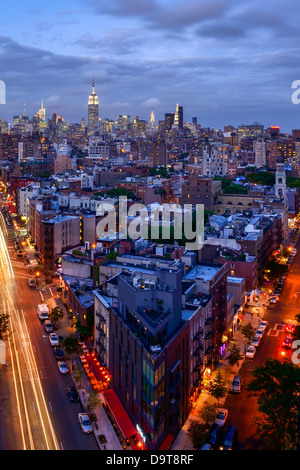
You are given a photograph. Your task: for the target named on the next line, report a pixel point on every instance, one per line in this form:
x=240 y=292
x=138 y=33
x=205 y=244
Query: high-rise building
x=215 y=160
x=152 y=120
x=123 y=122
x=178 y=119
x=149 y=349
x=93 y=111
x=169 y=121
x=259 y=148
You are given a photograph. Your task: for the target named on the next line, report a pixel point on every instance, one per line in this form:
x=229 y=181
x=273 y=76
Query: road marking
x=50 y=406
x=273 y=333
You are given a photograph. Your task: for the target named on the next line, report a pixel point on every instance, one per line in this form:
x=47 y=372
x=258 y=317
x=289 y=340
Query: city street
x=35 y=411
x=242 y=408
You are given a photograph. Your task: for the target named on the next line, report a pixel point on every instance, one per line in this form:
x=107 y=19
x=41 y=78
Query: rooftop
x=202 y=271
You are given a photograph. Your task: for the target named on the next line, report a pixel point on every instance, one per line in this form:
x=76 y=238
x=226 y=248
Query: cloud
x=162 y=15
x=220 y=31
x=124 y=8
x=121 y=41
x=151 y=103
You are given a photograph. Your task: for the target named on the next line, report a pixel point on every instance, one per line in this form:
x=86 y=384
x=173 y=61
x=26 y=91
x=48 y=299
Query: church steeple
x=280 y=175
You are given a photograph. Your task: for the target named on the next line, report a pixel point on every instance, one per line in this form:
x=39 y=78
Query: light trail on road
x=34 y=422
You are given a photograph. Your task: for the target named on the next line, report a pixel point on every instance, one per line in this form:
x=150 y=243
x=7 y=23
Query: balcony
x=98 y=328
x=101 y=346
x=101 y=317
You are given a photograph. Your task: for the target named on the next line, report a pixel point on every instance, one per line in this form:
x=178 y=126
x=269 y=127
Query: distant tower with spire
x=42 y=112
x=93 y=111
x=152 y=120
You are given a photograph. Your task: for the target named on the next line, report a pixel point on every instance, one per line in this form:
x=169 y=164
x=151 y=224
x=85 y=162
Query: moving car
x=255 y=341
x=85 y=423
x=53 y=339
x=273 y=300
x=31 y=283
x=287 y=342
x=62 y=366
x=236 y=384
x=251 y=351
x=221 y=417
x=290 y=328
x=72 y=394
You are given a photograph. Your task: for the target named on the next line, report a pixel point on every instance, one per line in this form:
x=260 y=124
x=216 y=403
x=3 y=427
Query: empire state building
x=93 y=111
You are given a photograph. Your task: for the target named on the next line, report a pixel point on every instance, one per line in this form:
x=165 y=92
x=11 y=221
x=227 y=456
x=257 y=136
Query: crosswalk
x=18 y=264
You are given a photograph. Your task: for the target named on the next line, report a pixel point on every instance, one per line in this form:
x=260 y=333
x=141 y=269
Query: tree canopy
x=276 y=386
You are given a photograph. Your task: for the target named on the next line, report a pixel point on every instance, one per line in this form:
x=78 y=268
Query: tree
x=275 y=269
x=70 y=343
x=208 y=413
x=3 y=325
x=197 y=432
x=248 y=331
x=276 y=386
x=56 y=314
x=78 y=375
x=93 y=400
x=217 y=387
x=234 y=355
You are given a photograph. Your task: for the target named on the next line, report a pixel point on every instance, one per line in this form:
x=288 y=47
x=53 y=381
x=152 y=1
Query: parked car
x=62 y=366
x=259 y=332
x=263 y=325
x=59 y=355
x=72 y=394
x=206 y=446
x=230 y=439
x=255 y=341
x=85 y=423
x=236 y=384
x=251 y=351
x=53 y=339
x=221 y=417
x=48 y=326
x=213 y=436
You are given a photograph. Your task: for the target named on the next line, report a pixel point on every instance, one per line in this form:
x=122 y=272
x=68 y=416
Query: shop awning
x=119 y=414
x=167 y=442
x=98 y=371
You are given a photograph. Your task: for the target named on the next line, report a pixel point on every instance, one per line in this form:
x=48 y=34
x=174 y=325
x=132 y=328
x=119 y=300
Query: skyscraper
x=178 y=120
x=93 y=111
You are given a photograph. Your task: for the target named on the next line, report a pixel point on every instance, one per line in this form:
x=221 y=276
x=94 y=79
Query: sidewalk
x=183 y=442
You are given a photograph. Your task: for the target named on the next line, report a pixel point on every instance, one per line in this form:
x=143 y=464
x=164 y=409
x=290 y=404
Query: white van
x=43 y=312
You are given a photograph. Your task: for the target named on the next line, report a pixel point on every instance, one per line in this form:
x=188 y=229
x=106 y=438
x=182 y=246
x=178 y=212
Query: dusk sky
x=224 y=61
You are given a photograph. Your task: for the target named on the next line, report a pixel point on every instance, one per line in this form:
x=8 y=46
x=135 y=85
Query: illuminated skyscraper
x=178 y=119
x=152 y=120
x=93 y=111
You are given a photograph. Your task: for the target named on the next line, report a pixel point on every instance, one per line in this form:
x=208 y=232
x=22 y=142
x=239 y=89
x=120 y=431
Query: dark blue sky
x=224 y=61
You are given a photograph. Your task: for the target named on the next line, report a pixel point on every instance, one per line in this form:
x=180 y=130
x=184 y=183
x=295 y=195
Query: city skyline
x=223 y=62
